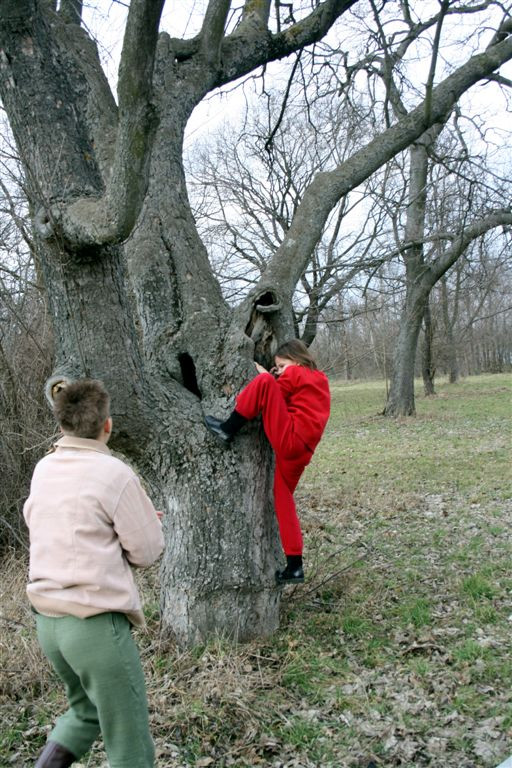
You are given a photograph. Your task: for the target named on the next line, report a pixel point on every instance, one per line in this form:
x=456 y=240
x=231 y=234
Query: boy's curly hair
x=82 y=407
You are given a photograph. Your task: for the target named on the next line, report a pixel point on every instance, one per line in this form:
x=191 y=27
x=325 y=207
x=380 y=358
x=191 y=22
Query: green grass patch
x=457 y=441
x=417 y=613
x=469 y=651
x=477 y=587
x=355 y=626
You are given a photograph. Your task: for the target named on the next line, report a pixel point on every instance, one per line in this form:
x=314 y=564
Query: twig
x=13 y=621
x=332 y=576
x=268 y=143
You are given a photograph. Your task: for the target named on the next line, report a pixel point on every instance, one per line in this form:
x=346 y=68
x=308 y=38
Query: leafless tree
x=109 y=204
x=25 y=353
x=421 y=271
x=475 y=310
x=246 y=190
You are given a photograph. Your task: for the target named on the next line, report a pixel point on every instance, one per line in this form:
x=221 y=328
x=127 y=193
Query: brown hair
x=297 y=351
x=82 y=407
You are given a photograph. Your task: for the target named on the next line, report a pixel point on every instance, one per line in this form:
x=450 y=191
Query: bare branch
x=270 y=139
x=501 y=80
x=480 y=319
x=248 y=48
x=327 y=188
x=473 y=230
x=504 y=30
x=435 y=52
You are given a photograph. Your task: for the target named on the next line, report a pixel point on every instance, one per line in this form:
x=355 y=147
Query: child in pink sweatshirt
x=90 y=521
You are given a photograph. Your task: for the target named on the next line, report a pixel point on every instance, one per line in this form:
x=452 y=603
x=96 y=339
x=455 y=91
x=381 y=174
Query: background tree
x=475 y=302
x=255 y=197
x=25 y=353
x=422 y=273
x=131 y=293
x=246 y=188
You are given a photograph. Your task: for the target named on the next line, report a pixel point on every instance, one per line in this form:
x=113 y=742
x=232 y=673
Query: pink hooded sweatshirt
x=89 y=521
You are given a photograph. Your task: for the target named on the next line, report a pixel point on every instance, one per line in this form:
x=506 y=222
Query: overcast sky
x=106 y=20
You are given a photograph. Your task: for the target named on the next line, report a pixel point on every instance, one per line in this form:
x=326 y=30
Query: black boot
x=225 y=430
x=293 y=573
x=55 y=756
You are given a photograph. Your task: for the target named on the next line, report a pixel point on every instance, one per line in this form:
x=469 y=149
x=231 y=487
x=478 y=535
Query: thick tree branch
x=37 y=78
x=96 y=101
x=477 y=228
x=313 y=27
x=255 y=15
x=327 y=188
x=71 y=11
x=252 y=46
x=212 y=31
x=111 y=218
x=418 y=169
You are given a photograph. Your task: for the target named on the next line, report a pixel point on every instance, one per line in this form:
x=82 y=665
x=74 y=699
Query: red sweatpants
x=263 y=395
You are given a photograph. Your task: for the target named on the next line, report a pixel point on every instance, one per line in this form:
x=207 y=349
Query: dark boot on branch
x=224 y=431
x=55 y=756
x=293 y=573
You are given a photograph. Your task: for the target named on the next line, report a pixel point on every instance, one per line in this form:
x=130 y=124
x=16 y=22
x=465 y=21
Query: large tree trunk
x=186 y=355
x=401 y=400
x=452 y=362
x=222 y=542
x=427 y=358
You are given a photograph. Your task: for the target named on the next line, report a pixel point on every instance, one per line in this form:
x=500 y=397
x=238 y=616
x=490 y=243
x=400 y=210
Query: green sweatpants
x=98 y=662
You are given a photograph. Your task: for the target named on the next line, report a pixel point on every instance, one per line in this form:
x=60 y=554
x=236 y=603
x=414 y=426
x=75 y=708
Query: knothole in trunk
x=188 y=374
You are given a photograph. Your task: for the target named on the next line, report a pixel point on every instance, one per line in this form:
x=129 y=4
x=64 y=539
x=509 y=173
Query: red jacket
x=307 y=397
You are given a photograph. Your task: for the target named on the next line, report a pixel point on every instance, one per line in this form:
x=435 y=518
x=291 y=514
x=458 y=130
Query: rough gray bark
x=401 y=393
x=449 y=323
x=168 y=348
x=131 y=292
x=427 y=361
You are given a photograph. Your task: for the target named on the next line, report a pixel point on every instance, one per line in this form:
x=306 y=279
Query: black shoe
x=215 y=427
x=290 y=575
x=55 y=756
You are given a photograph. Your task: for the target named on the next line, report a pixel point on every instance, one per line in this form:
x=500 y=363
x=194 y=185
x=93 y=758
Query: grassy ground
x=398 y=648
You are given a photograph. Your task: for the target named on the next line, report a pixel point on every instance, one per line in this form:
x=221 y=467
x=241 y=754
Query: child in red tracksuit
x=294 y=401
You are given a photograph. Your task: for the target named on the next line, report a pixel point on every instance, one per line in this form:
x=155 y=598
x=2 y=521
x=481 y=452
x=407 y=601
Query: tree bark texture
x=401 y=394
x=131 y=292
x=449 y=321
x=145 y=314
x=427 y=359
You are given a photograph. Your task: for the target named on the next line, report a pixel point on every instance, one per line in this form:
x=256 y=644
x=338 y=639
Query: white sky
x=106 y=20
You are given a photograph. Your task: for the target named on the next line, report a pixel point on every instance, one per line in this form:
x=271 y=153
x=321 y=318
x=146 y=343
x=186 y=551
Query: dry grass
x=23 y=666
